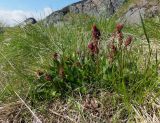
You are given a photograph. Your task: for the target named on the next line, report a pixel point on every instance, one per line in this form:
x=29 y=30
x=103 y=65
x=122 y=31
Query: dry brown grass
x=104 y=108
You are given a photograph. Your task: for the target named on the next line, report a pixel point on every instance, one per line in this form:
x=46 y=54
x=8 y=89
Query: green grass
x=131 y=78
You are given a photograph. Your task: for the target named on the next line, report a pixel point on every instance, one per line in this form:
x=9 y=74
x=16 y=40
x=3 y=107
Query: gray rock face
x=147 y=8
x=104 y=8
x=133 y=16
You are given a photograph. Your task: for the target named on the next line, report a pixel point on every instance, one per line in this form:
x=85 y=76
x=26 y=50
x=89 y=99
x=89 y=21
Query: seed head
x=48 y=77
x=93 y=47
x=119 y=27
x=120 y=38
x=128 y=41
x=95 y=33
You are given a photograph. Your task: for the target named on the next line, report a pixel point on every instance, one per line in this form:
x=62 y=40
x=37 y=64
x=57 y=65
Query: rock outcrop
x=28 y=21
x=147 y=8
x=104 y=8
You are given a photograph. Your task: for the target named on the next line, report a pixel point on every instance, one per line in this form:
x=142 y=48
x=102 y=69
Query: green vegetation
x=68 y=62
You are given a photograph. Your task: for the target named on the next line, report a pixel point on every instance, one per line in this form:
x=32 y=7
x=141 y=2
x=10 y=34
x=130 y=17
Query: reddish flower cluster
x=48 y=77
x=128 y=41
x=120 y=38
x=119 y=35
x=119 y=27
x=94 y=44
x=112 y=53
x=95 y=33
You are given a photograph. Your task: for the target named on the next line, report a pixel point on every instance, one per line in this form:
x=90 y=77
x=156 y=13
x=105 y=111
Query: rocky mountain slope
x=129 y=10
x=104 y=8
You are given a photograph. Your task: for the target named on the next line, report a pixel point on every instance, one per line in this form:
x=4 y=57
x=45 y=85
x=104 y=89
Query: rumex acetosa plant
x=126 y=73
x=70 y=72
x=117 y=70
